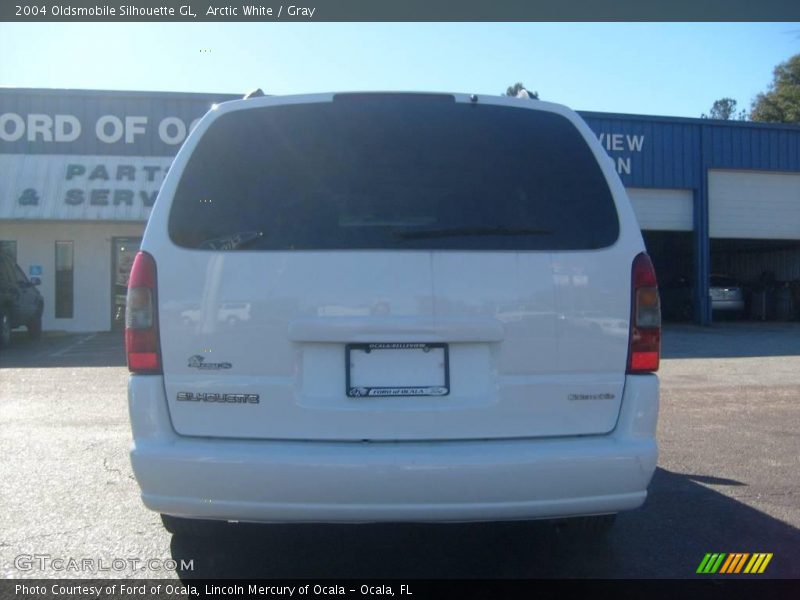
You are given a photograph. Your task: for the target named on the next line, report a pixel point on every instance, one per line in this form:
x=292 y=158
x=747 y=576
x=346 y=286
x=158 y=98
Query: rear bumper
x=478 y=480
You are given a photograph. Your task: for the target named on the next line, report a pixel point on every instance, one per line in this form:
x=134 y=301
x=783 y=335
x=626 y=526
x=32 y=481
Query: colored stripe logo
x=734 y=563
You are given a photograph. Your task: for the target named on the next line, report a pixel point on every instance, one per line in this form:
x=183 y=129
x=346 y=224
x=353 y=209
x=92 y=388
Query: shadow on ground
x=105 y=349
x=668 y=537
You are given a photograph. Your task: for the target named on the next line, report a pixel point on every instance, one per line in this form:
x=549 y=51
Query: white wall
x=748 y=204
x=663 y=210
x=92 y=264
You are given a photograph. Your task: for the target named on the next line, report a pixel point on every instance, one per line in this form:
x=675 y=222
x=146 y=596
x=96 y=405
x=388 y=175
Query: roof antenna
x=256 y=93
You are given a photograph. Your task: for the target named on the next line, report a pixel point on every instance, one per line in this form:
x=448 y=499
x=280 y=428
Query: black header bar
x=700 y=588
x=398 y=10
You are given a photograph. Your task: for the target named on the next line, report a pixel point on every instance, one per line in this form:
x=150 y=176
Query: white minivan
x=447 y=315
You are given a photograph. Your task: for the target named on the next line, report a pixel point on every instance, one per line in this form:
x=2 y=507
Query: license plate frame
x=396 y=391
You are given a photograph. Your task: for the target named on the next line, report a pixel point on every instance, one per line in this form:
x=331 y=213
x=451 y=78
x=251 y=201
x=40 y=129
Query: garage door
x=745 y=204
x=662 y=210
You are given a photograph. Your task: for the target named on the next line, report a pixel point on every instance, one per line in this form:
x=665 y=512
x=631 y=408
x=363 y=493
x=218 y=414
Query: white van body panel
x=537 y=340
x=538 y=407
x=512 y=366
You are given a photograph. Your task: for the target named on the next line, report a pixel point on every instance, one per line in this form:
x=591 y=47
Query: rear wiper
x=233 y=241
x=469 y=231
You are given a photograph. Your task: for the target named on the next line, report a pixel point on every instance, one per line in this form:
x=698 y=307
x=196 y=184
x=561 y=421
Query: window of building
x=9 y=248
x=64 y=280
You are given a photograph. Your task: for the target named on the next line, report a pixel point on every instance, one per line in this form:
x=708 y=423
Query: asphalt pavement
x=727 y=481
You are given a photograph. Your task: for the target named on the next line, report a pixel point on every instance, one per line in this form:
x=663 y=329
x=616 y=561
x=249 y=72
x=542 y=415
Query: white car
x=424 y=274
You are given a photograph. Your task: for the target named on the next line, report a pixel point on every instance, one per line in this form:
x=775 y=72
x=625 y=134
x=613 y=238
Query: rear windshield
x=397 y=172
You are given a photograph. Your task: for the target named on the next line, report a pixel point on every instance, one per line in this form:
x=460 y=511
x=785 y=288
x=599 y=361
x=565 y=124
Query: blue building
x=79 y=171
x=711 y=196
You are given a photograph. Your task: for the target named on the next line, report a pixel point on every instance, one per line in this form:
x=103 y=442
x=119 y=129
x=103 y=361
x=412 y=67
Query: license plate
x=397 y=369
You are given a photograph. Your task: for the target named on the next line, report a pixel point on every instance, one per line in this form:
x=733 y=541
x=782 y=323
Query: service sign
x=84 y=155
x=88 y=188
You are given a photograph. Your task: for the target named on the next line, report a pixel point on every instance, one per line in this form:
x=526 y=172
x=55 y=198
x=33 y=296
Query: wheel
x=5 y=331
x=192 y=527
x=35 y=327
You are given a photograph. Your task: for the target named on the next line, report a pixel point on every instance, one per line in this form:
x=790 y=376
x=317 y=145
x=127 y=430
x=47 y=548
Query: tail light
x=644 y=345
x=141 y=317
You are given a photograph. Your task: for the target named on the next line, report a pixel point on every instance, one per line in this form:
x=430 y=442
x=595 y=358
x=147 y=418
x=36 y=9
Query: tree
x=781 y=103
x=514 y=90
x=724 y=109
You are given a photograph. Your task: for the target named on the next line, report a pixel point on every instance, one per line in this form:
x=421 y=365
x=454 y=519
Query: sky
x=673 y=69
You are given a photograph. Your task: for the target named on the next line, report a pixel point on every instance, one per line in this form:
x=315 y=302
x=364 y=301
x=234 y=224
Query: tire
x=5 y=331
x=193 y=527
x=35 y=327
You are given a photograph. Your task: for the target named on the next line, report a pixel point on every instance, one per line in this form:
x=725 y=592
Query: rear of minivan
x=392 y=307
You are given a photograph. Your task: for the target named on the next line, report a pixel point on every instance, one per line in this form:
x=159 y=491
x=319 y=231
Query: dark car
x=21 y=304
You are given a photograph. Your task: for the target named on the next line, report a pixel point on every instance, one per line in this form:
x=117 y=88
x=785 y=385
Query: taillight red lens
x=141 y=317
x=645 y=335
